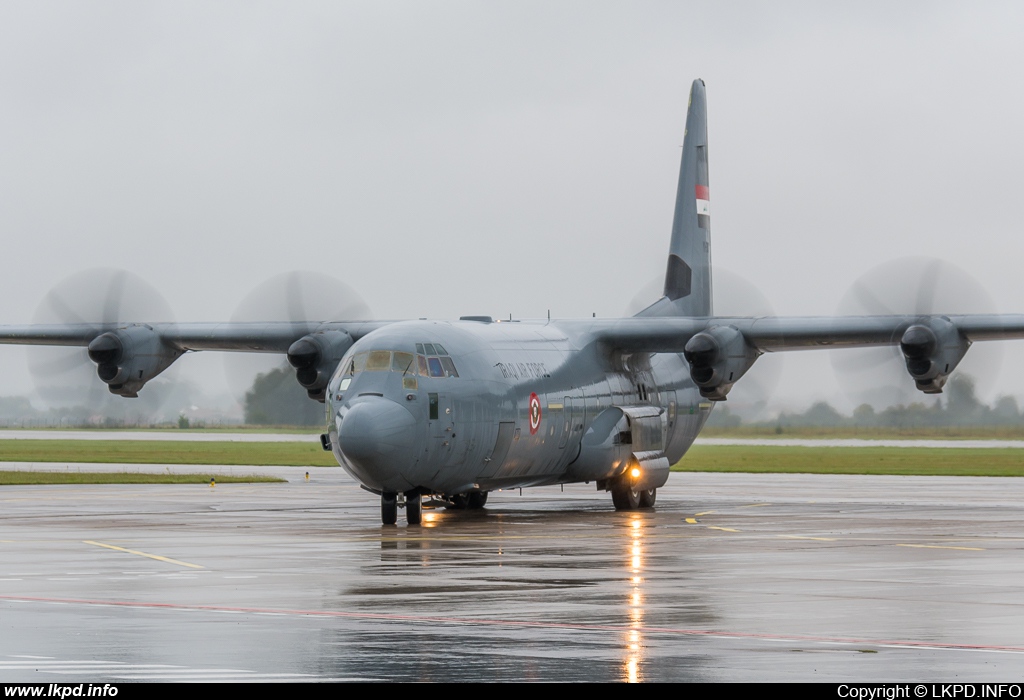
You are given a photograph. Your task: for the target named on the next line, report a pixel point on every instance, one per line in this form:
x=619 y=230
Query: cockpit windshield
x=430 y=360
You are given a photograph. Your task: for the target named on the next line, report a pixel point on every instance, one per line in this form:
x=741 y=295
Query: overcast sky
x=505 y=157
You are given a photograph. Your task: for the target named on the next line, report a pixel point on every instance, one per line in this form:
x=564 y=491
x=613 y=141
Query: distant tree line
x=959 y=406
x=277 y=399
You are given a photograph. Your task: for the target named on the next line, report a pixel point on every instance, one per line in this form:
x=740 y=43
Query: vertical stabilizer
x=688 y=277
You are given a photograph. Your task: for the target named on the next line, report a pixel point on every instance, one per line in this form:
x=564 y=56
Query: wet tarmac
x=732 y=577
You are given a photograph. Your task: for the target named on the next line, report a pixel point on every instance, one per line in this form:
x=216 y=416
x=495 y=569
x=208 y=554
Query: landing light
x=635 y=472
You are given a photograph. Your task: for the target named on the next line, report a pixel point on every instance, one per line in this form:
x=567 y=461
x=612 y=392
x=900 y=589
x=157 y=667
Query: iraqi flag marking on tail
x=703 y=206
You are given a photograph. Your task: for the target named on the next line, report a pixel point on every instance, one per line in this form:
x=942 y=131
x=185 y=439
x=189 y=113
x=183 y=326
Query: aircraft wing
x=720 y=350
x=129 y=355
x=779 y=334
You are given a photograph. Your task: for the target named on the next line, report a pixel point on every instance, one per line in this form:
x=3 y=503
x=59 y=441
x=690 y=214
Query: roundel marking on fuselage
x=534 y=413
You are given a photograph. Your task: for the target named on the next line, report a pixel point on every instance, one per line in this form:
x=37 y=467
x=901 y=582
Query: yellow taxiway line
x=144 y=554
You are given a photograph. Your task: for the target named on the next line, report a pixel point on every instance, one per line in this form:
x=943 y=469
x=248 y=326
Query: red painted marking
x=534 y=413
x=703 y=192
x=479 y=621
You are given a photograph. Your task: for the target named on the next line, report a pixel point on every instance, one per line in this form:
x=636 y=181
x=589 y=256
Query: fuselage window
x=436 y=370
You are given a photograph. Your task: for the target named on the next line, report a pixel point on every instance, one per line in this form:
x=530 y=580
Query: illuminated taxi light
x=635 y=472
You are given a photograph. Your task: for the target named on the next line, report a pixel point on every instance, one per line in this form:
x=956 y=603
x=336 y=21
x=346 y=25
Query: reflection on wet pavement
x=732 y=577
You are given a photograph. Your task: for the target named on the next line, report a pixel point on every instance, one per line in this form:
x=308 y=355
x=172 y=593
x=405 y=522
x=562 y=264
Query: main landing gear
x=473 y=500
x=389 y=508
x=625 y=497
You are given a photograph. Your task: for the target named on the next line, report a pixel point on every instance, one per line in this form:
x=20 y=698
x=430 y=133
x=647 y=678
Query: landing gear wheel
x=388 y=508
x=413 y=508
x=477 y=499
x=648 y=497
x=625 y=497
x=459 y=501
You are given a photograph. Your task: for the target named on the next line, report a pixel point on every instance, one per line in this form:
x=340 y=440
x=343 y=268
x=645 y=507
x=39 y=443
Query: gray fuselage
x=516 y=414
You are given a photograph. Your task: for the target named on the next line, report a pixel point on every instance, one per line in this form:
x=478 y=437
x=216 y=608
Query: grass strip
x=282 y=454
x=917 y=461
x=970 y=432
x=18 y=478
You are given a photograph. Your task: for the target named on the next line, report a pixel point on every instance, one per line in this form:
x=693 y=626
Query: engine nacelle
x=718 y=357
x=129 y=357
x=314 y=358
x=933 y=349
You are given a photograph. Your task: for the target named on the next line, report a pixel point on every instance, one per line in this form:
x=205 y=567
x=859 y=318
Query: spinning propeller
x=733 y=296
x=99 y=297
x=909 y=286
x=295 y=296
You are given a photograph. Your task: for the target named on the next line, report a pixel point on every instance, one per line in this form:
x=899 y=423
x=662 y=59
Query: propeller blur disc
x=97 y=297
x=733 y=296
x=910 y=286
x=299 y=295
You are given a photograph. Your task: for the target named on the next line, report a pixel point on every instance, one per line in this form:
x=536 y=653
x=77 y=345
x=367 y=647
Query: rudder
x=687 y=289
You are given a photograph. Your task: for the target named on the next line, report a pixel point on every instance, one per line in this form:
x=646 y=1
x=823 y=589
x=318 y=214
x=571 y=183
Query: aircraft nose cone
x=377 y=436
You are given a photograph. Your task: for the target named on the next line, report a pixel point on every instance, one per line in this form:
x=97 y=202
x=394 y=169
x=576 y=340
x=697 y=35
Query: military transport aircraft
x=456 y=409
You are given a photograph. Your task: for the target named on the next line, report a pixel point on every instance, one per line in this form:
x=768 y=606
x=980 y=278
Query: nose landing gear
x=411 y=501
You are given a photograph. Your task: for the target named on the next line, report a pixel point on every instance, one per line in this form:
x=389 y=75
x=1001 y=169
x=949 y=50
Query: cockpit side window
x=359 y=363
x=437 y=363
x=449 y=366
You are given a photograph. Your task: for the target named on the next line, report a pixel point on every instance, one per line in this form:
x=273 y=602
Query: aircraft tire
x=459 y=501
x=388 y=508
x=413 y=508
x=477 y=500
x=625 y=498
x=648 y=497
